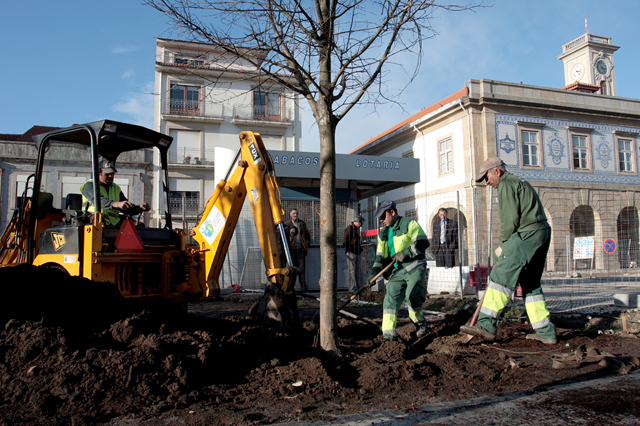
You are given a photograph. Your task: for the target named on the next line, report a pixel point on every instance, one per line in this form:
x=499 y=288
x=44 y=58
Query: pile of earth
x=73 y=352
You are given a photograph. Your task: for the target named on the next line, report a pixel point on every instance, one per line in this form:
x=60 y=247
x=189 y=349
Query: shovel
x=474 y=319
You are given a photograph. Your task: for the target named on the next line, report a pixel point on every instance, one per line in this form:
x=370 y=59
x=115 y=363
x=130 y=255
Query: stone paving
x=586 y=295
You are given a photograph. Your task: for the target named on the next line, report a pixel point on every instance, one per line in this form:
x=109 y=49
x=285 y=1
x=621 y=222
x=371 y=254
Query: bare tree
x=340 y=52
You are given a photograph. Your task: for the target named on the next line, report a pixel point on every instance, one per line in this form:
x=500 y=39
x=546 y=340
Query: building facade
x=578 y=147
x=205 y=98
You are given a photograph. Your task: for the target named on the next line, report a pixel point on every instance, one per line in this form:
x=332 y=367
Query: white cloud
x=139 y=106
x=128 y=74
x=123 y=48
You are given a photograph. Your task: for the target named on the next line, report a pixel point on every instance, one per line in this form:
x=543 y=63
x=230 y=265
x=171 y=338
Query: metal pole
x=285 y=245
x=460 y=249
x=568 y=240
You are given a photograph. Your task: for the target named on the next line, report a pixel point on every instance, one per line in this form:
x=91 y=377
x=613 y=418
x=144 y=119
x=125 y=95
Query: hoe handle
x=369 y=284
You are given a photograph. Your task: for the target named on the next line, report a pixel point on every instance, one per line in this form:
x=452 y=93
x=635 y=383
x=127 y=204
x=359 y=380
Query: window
x=184 y=203
x=21 y=187
x=625 y=155
x=186 y=146
x=266 y=106
x=445 y=150
x=185 y=100
x=530 y=149
x=626 y=147
x=411 y=214
x=580 y=146
x=189 y=61
x=530 y=144
x=408 y=154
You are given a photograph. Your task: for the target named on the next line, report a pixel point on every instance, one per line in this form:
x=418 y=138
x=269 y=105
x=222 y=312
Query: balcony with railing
x=586 y=38
x=191 y=156
x=193 y=109
x=262 y=113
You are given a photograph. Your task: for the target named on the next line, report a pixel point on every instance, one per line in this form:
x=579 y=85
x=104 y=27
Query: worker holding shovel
x=403 y=243
x=525 y=235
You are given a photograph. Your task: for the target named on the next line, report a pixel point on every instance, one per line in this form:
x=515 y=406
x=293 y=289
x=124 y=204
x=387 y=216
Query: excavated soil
x=73 y=352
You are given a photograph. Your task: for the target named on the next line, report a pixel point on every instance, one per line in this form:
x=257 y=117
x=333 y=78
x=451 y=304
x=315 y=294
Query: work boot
x=390 y=337
x=476 y=330
x=421 y=328
x=536 y=336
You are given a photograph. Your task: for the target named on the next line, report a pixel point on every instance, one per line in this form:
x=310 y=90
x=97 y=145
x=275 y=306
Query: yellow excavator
x=149 y=263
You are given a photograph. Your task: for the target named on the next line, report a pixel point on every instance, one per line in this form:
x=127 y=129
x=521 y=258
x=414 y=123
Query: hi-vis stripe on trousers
x=403 y=285
x=522 y=261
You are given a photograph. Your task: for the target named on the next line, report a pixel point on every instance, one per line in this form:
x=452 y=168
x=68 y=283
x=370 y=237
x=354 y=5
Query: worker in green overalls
x=525 y=235
x=403 y=242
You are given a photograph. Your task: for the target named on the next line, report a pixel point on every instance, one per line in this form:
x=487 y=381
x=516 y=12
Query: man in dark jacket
x=525 y=236
x=445 y=240
x=298 y=244
x=353 y=249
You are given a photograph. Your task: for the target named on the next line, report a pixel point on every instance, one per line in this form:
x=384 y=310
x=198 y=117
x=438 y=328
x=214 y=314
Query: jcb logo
x=58 y=241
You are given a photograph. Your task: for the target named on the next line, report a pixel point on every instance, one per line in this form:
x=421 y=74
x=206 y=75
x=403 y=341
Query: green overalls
x=525 y=235
x=407 y=278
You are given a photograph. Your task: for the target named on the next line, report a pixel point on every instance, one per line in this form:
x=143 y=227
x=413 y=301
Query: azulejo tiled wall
x=557 y=152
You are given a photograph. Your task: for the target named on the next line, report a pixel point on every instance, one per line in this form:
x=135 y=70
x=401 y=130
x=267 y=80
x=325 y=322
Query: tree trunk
x=329 y=260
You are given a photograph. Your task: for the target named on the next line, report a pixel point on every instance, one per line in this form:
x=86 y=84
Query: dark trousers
x=445 y=257
x=299 y=259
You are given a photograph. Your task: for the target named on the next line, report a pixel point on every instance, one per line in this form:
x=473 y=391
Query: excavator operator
x=112 y=200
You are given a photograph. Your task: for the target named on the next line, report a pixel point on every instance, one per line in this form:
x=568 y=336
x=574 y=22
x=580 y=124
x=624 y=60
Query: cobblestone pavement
x=506 y=409
x=587 y=295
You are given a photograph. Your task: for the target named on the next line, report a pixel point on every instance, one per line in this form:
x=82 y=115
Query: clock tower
x=588 y=60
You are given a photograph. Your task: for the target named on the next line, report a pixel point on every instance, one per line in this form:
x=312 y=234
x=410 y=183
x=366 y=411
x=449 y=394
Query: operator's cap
x=489 y=163
x=108 y=166
x=384 y=206
x=359 y=218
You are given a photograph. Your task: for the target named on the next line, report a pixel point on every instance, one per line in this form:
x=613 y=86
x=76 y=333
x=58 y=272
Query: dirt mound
x=73 y=352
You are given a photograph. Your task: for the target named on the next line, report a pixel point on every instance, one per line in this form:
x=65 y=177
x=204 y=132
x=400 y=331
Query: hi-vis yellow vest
x=110 y=216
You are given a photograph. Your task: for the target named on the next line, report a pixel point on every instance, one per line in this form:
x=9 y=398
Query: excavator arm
x=250 y=174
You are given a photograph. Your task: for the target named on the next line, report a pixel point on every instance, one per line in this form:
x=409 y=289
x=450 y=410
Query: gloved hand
x=399 y=257
x=370 y=278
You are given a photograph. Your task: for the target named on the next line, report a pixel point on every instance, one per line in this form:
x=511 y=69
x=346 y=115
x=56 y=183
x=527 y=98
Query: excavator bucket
x=278 y=306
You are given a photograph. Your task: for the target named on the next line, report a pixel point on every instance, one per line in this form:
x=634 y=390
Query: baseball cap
x=359 y=219
x=384 y=206
x=108 y=166
x=489 y=163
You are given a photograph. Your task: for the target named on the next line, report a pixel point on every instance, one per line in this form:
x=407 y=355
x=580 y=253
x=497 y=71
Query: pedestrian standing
x=445 y=240
x=298 y=244
x=353 y=249
x=403 y=242
x=525 y=236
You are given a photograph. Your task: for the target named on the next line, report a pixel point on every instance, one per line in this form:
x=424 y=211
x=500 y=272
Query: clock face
x=577 y=71
x=601 y=66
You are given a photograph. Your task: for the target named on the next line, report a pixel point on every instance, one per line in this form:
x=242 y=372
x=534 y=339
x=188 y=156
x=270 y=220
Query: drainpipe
x=471 y=182
x=424 y=150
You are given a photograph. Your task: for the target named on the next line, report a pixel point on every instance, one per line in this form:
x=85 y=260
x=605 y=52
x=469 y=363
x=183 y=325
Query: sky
x=77 y=61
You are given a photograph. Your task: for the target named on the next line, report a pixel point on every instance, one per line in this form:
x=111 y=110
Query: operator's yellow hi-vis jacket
x=113 y=193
